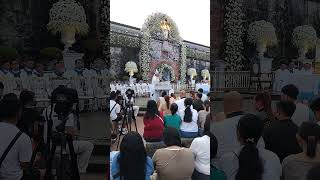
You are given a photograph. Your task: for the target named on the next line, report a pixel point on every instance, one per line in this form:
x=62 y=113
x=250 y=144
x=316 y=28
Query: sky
x=191 y=16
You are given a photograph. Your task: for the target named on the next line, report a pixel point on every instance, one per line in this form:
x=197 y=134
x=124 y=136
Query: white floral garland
x=205 y=73
x=233 y=28
x=67 y=15
x=262 y=32
x=131 y=67
x=304 y=37
x=162 y=67
x=151 y=29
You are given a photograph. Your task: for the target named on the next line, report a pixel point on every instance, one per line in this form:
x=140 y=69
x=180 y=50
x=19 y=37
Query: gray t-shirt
x=21 y=151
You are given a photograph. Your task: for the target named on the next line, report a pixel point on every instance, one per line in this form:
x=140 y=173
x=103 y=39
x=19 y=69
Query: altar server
x=307 y=67
x=5 y=69
x=77 y=71
x=28 y=69
x=15 y=69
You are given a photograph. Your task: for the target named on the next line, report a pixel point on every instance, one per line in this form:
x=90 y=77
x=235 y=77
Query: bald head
x=232 y=102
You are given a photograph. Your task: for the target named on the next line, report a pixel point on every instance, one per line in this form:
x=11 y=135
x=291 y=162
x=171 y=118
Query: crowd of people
x=280 y=142
x=24 y=131
x=169 y=119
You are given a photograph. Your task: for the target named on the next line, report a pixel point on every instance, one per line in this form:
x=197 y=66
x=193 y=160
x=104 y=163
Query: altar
x=161 y=87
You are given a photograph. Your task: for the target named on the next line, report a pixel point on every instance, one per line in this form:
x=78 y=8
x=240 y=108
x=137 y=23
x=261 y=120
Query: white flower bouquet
x=67 y=15
x=262 y=33
x=304 y=37
x=192 y=72
x=131 y=68
x=205 y=73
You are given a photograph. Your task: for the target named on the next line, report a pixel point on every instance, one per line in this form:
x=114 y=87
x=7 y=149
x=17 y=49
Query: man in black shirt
x=280 y=136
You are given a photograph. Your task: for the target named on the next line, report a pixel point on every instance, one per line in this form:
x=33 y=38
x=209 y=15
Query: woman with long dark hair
x=132 y=161
x=165 y=105
x=296 y=167
x=189 y=117
x=250 y=162
x=153 y=123
x=173 y=119
x=262 y=102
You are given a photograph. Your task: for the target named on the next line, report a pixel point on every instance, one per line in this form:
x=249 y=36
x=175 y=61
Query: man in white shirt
x=115 y=110
x=302 y=113
x=20 y=154
x=27 y=71
x=307 y=68
x=204 y=96
x=180 y=102
x=283 y=71
x=5 y=70
x=226 y=130
x=292 y=68
x=83 y=149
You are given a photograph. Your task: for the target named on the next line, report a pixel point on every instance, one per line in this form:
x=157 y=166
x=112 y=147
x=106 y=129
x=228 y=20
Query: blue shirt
x=115 y=168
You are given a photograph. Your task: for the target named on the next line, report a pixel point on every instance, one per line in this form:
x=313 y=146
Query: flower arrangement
x=192 y=72
x=262 y=33
x=304 y=38
x=205 y=73
x=233 y=28
x=131 y=68
x=152 y=30
x=163 y=66
x=67 y=15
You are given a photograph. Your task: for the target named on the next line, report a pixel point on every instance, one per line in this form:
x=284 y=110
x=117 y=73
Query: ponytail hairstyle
x=266 y=100
x=173 y=108
x=167 y=99
x=310 y=133
x=187 y=112
x=249 y=132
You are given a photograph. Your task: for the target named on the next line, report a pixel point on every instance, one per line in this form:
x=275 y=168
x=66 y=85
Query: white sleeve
x=24 y=148
x=194 y=147
x=117 y=109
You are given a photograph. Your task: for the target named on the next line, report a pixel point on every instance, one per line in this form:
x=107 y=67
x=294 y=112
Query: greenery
x=124 y=40
x=197 y=54
x=50 y=53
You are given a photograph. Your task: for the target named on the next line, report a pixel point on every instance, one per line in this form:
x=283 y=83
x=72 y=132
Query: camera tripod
x=126 y=121
x=66 y=169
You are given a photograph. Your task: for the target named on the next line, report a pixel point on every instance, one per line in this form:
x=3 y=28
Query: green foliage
x=50 y=53
x=124 y=41
x=196 y=54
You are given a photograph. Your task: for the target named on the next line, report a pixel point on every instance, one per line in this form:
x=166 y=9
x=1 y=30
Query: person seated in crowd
x=174 y=161
x=198 y=103
x=38 y=70
x=296 y=167
x=28 y=68
x=5 y=69
x=63 y=108
x=132 y=161
x=200 y=147
x=153 y=123
x=280 y=136
x=215 y=173
x=180 y=101
x=31 y=119
x=15 y=69
x=164 y=106
x=173 y=119
x=226 y=130
x=262 y=103
x=202 y=115
x=1 y=89
x=173 y=98
x=302 y=113
x=189 y=117
x=19 y=155
x=314 y=173
x=250 y=161
x=204 y=96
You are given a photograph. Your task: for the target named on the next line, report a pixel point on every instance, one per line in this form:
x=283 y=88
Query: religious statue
x=165 y=28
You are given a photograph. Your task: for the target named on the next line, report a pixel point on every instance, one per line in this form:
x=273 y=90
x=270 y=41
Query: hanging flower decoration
x=152 y=30
x=131 y=68
x=192 y=72
x=67 y=15
x=304 y=38
x=205 y=73
x=262 y=32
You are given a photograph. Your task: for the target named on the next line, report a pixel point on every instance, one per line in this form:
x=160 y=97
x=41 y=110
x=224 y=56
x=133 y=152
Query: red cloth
x=153 y=128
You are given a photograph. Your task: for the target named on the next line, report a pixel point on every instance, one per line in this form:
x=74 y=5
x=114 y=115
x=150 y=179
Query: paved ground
x=93 y=177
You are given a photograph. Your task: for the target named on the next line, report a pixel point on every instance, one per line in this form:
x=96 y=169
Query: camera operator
x=19 y=155
x=63 y=117
x=115 y=113
x=31 y=122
